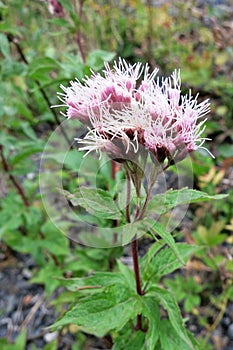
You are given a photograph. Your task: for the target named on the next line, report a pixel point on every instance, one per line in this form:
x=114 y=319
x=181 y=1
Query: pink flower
x=127 y=109
x=55 y=8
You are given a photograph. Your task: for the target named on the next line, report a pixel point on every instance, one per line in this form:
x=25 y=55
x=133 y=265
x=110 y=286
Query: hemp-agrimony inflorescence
x=127 y=109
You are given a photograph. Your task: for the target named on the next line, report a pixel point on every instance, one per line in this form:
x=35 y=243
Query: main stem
x=134 y=246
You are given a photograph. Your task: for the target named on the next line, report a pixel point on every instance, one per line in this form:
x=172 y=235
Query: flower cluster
x=55 y=8
x=128 y=108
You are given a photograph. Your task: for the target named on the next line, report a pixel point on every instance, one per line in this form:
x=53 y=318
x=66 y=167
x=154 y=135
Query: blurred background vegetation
x=47 y=43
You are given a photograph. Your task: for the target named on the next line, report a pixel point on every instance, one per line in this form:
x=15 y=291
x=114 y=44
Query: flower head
x=55 y=8
x=128 y=108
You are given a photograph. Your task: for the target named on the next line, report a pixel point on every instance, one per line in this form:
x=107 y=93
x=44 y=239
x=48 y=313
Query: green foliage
x=161 y=204
x=19 y=344
x=98 y=314
x=135 y=341
x=210 y=236
x=185 y=289
x=96 y=201
x=159 y=261
x=39 y=51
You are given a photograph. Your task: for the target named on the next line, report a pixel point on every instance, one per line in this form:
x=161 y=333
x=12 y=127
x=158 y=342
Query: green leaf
x=152 y=312
x=169 y=304
x=10 y=68
x=71 y=159
x=107 y=237
x=59 y=22
x=25 y=153
x=167 y=237
x=11 y=215
x=96 y=58
x=4 y=46
x=132 y=341
x=165 y=261
x=54 y=241
x=162 y=203
x=101 y=313
x=128 y=274
x=48 y=276
x=191 y=301
x=6 y=27
x=169 y=338
x=98 y=280
x=23 y=110
x=67 y=5
x=53 y=345
x=82 y=261
x=96 y=201
x=41 y=66
x=28 y=130
x=20 y=343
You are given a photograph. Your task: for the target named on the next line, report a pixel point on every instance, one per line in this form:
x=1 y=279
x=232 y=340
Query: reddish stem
x=134 y=246
x=113 y=169
x=79 y=36
x=45 y=96
x=13 y=179
x=128 y=191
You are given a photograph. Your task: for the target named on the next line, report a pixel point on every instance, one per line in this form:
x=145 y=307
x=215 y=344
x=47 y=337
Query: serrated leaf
x=162 y=203
x=98 y=314
x=128 y=274
x=170 y=305
x=169 y=338
x=106 y=237
x=98 y=280
x=96 y=201
x=167 y=237
x=133 y=341
x=165 y=261
x=152 y=312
